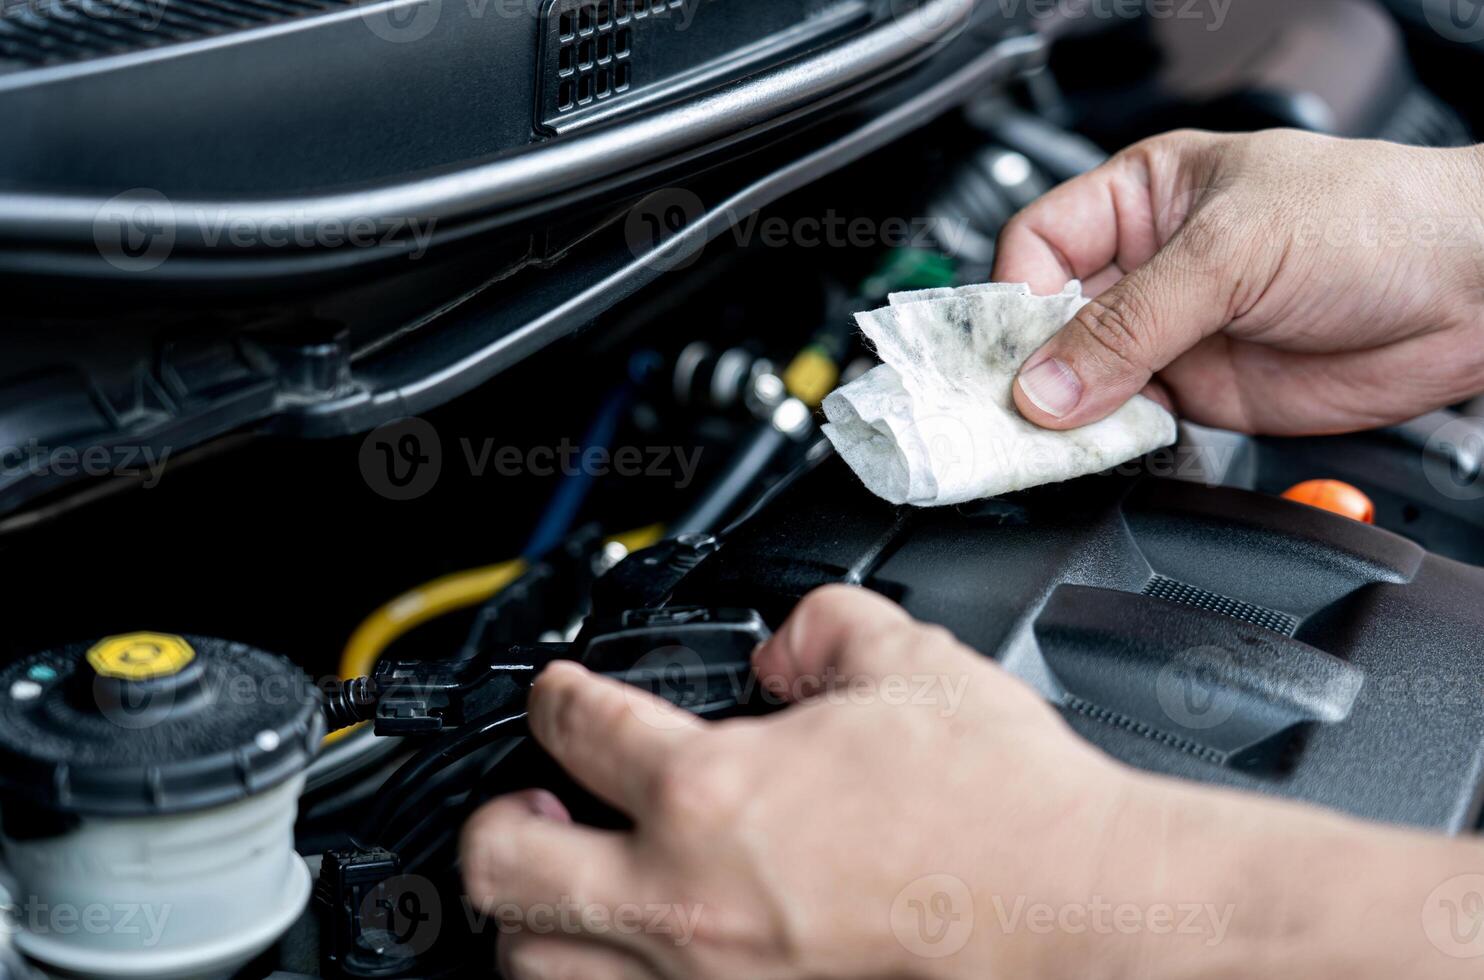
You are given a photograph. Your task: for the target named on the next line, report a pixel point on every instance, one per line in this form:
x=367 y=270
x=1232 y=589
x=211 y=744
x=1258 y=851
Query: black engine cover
x=1206 y=632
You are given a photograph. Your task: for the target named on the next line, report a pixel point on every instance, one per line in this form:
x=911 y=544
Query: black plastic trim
x=465 y=342
x=476 y=343
x=476 y=198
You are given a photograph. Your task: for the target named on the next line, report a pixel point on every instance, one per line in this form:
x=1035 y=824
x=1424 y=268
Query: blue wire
x=557 y=520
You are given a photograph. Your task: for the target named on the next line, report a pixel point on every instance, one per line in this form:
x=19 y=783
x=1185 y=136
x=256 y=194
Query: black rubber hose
x=452 y=789
x=818 y=451
x=351 y=702
x=1059 y=152
x=740 y=476
x=415 y=771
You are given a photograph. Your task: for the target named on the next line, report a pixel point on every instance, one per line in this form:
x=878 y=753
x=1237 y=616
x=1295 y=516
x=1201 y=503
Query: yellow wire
x=449 y=593
x=639 y=538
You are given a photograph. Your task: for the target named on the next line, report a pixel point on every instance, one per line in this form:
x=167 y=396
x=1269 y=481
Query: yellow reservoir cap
x=140 y=656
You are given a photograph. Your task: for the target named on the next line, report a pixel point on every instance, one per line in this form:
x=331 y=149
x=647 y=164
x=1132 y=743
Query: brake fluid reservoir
x=148 y=789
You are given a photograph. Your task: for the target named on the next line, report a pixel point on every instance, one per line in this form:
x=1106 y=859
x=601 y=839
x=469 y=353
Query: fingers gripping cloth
x=935 y=422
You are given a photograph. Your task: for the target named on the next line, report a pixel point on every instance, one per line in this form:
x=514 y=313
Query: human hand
x=918 y=816
x=1277 y=282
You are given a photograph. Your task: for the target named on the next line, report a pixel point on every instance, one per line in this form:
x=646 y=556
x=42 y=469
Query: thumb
x=834 y=631
x=1109 y=350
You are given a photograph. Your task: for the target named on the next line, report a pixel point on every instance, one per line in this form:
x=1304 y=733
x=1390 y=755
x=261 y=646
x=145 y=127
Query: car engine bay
x=289 y=531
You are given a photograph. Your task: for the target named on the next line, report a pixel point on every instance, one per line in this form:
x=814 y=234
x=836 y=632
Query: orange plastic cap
x=1335 y=496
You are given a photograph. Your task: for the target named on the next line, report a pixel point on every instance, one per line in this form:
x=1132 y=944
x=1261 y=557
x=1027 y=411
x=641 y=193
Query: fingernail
x=543 y=803
x=1052 y=387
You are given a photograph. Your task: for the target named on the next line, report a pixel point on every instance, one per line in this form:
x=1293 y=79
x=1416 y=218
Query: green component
x=909 y=268
x=41 y=674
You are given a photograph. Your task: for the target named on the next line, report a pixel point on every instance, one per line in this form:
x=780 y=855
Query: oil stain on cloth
x=935 y=423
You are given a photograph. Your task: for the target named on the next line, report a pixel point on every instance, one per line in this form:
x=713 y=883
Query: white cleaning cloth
x=935 y=423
